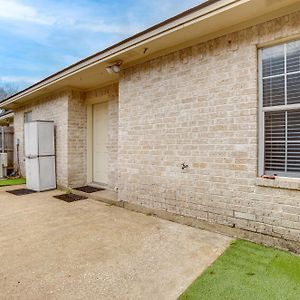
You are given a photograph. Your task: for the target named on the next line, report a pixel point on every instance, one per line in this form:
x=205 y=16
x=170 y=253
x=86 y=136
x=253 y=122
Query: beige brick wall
x=77 y=140
x=199 y=106
x=52 y=108
x=68 y=110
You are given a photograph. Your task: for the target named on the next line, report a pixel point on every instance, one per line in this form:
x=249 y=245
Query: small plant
x=68 y=191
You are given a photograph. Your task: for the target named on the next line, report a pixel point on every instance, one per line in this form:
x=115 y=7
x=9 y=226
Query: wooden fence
x=7 y=144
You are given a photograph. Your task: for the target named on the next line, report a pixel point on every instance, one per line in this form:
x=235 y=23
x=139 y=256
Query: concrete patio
x=51 y=249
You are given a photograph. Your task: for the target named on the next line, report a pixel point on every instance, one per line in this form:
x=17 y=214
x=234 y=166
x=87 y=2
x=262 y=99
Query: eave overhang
x=208 y=20
x=6 y=116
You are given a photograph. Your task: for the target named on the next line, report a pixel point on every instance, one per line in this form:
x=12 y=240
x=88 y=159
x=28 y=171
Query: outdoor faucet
x=184 y=166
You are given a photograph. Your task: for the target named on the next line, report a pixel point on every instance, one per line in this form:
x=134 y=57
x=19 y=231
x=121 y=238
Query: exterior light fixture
x=109 y=70
x=114 y=68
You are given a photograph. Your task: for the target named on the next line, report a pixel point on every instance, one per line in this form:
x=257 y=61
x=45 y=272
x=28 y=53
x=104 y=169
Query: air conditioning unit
x=3 y=165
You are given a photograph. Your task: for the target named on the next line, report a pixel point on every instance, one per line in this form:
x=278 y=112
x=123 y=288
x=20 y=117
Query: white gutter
x=7 y=116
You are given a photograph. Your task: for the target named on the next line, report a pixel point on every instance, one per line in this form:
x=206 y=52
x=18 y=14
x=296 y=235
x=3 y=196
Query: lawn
x=249 y=271
x=8 y=182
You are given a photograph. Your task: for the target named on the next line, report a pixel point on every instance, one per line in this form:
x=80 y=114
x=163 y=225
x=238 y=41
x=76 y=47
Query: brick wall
x=199 y=106
x=68 y=110
x=77 y=140
x=52 y=108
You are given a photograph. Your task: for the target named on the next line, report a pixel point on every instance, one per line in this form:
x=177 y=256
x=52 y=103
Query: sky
x=40 y=37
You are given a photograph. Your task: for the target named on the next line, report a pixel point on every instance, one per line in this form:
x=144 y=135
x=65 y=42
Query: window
x=280 y=110
x=28 y=117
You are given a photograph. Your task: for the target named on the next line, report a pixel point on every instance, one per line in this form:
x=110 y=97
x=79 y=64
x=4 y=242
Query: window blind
x=281 y=109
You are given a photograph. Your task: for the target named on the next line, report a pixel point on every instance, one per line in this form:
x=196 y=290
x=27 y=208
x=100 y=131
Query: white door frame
x=90 y=145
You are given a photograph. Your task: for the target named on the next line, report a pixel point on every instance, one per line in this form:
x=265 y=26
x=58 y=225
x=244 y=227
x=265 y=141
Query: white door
x=100 y=153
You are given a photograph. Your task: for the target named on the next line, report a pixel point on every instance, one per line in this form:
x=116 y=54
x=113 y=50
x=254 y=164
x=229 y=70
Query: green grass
x=8 y=182
x=249 y=271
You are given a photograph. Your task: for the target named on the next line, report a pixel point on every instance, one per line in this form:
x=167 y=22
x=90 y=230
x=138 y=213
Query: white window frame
x=26 y=114
x=262 y=110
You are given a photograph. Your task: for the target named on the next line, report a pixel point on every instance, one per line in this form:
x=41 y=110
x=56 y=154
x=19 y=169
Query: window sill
x=280 y=182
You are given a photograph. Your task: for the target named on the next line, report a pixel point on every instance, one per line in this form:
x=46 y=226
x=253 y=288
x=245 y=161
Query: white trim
x=280 y=75
x=89 y=143
x=261 y=121
x=280 y=41
x=285 y=75
x=285 y=102
x=282 y=108
x=7 y=116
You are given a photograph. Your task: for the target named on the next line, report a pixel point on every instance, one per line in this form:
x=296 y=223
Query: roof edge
x=131 y=38
x=6 y=115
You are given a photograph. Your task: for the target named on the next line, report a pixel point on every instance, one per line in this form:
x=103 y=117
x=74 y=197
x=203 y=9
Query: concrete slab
x=51 y=249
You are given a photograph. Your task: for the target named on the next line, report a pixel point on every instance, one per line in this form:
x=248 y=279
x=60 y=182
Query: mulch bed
x=21 y=192
x=70 y=197
x=89 y=189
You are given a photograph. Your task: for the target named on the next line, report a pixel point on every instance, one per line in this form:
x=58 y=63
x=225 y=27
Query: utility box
x=3 y=165
x=40 y=155
x=7 y=146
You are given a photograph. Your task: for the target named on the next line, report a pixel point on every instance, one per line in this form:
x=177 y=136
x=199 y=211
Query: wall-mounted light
x=114 y=68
